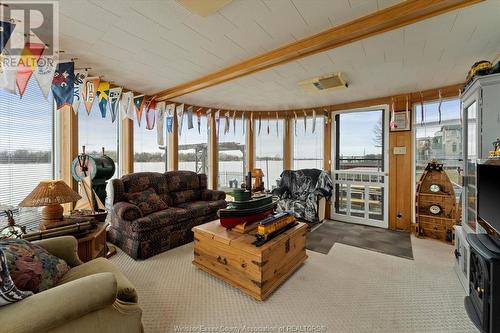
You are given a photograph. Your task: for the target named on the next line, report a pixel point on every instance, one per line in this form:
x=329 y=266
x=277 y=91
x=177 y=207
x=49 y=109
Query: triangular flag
x=80 y=77
x=139 y=106
x=170 y=117
x=127 y=105
x=198 y=120
x=277 y=125
x=114 y=97
x=268 y=123
x=295 y=123
x=305 y=122
x=260 y=124
x=439 y=106
x=234 y=123
x=226 y=123
x=89 y=90
x=314 y=121
x=243 y=122
x=190 y=117
x=62 y=84
x=179 y=110
x=6 y=29
x=160 y=123
x=251 y=121
x=103 y=96
x=209 y=118
x=8 y=72
x=217 y=121
x=150 y=113
x=27 y=64
x=44 y=73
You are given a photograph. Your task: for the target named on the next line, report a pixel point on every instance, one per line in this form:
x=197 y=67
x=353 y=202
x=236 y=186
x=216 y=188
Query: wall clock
x=435 y=188
x=435 y=209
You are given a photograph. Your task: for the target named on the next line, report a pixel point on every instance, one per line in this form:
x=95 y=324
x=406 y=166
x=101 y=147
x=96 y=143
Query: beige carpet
x=348 y=290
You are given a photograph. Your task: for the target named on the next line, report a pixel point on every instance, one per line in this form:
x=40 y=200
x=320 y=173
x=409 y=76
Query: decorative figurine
x=496 y=149
x=11 y=230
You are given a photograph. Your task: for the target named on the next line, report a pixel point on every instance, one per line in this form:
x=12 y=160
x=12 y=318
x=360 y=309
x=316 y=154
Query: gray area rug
x=322 y=238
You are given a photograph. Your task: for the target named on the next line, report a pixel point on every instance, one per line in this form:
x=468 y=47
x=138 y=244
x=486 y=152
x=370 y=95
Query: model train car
x=273 y=226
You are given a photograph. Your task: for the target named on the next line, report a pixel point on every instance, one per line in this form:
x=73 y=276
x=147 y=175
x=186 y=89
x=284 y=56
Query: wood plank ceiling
x=152 y=44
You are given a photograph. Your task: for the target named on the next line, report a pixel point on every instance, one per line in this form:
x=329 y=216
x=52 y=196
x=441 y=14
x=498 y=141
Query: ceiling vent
x=324 y=83
x=203 y=8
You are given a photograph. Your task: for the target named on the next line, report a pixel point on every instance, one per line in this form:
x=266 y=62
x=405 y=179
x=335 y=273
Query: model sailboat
x=90 y=205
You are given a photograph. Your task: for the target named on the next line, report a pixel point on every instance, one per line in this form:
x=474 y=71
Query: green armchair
x=92 y=297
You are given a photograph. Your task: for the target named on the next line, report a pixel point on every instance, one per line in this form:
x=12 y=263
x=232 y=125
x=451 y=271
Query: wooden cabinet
x=93 y=245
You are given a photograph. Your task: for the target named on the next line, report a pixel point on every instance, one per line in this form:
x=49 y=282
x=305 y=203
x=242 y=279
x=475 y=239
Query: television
x=488 y=197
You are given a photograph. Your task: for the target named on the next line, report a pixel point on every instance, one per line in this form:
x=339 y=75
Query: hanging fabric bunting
x=439 y=106
x=460 y=98
x=62 y=84
x=421 y=108
x=234 y=122
x=89 y=92
x=150 y=107
x=226 y=122
x=392 y=123
x=209 y=118
x=259 y=125
x=314 y=121
x=114 y=96
x=251 y=121
x=127 y=105
x=6 y=29
x=80 y=76
x=139 y=101
x=198 y=120
x=268 y=123
x=277 y=125
x=27 y=64
x=305 y=122
x=170 y=113
x=102 y=97
x=8 y=73
x=160 y=123
x=295 y=123
x=190 y=117
x=217 y=122
x=243 y=122
x=180 y=117
x=44 y=73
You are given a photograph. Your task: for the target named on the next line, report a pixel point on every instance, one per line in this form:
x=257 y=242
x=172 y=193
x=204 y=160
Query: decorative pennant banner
x=160 y=123
x=190 y=117
x=268 y=123
x=6 y=29
x=8 y=73
x=234 y=122
x=27 y=64
x=260 y=124
x=44 y=73
x=139 y=107
x=226 y=124
x=80 y=77
x=89 y=92
x=198 y=120
x=217 y=121
x=295 y=123
x=305 y=122
x=114 y=97
x=277 y=125
x=180 y=117
x=170 y=117
x=392 y=123
x=243 y=122
x=127 y=105
x=103 y=96
x=251 y=121
x=314 y=121
x=150 y=107
x=209 y=118
x=62 y=84
x=439 y=106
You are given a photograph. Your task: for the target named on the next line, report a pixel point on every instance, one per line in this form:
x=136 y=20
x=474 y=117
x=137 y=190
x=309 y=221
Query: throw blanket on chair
x=300 y=191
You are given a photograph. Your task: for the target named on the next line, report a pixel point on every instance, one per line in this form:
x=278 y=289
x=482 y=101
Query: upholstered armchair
x=304 y=193
x=92 y=297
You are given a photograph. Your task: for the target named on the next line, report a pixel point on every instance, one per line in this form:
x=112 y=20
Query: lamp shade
x=50 y=192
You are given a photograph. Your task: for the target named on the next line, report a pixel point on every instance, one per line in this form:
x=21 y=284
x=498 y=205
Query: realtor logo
x=36 y=22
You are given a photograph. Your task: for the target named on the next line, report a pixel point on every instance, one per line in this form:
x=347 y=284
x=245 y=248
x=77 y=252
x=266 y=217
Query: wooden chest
x=257 y=271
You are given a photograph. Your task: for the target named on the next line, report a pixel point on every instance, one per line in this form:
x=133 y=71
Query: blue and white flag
x=160 y=123
x=6 y=29
x=170 y=117
x=190 y=117
x=179 y=110
x=63 y=84
x=114 y=97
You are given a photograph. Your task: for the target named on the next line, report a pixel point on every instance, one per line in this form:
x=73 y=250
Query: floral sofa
x=154 y=212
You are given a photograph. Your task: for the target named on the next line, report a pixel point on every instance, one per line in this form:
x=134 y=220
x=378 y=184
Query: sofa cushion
x=8 y=291
x=31 y=267
x=185 y=196
x=182 y=180
x=169 y=216
x=126 y=291
x=140 y=181
x=147 y=201
x=202 y=208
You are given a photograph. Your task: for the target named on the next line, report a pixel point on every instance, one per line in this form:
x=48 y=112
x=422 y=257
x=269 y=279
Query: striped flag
x=62 y=84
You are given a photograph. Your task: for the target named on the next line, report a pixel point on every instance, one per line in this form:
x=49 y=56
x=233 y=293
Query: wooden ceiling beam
x=390 y=18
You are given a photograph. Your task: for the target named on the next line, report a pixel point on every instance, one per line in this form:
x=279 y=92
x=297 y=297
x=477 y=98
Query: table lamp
x=51 y=194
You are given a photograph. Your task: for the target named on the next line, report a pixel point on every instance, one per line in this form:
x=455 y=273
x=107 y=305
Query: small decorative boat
x=89 y=205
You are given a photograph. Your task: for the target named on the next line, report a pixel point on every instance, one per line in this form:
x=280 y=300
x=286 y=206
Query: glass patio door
x=360 y=167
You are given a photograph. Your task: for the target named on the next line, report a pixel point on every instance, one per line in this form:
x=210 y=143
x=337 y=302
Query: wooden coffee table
x=257 y=271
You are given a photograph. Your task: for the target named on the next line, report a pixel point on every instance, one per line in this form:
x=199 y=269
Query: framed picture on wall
x=401 y=121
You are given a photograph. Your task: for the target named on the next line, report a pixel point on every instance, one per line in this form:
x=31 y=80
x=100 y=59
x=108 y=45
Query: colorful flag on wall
x=80 y=77
x=150 y=108
x=114 y=98
x=89 y=92
x=198 y=120
x=62 y=84
x=160 y=123
x=169 y=113
x=139 y=107
x=103 y=96
x=6 y=29
x=190 y=117
x=44 y=73
x=127 y=105
x=179 y=110
x=27 y=64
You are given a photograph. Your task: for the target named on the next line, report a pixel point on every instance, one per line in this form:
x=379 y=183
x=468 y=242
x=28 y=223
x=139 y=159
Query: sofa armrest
x=64 y=247
x=212 y=195
x=59 y=305
x=127 y=211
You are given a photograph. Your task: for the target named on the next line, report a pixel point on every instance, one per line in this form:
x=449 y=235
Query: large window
x=308 y=146
x=96 y=133
x=231 y=155
x=193 y=146
x=269 y=151
x=26 y=143
x=148 y=155
x=439 y=141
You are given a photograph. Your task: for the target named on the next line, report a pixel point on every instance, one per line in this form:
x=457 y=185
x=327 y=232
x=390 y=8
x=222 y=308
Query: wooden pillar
x=288 y=144
x=250 y=143
x=212 y=159
x=173 y=146
x=127 y=147
x=68 y=147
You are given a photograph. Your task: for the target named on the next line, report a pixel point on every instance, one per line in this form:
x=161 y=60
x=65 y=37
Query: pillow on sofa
x=31 y=267
x=8 y=291
x=147 y=201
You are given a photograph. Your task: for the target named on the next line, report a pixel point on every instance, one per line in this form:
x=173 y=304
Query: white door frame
x=385 y=173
